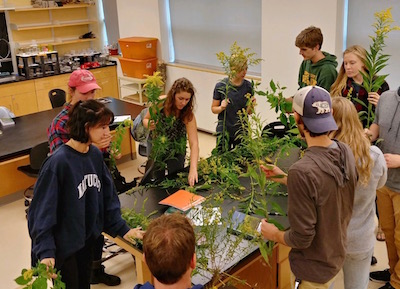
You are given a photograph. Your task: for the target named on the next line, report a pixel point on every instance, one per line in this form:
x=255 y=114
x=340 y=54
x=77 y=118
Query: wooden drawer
x=283 y=252
x=17 y=88
x=49 y=83
x=105 y=72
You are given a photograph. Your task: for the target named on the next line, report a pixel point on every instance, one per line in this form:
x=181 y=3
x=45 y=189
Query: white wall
x=360 y=28
x=282 y=20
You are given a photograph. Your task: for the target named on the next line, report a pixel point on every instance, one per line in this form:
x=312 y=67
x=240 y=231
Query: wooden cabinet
x=44 y=85
x=106 y=78
x=32 y=96
x=19 y=97
x=60 y=27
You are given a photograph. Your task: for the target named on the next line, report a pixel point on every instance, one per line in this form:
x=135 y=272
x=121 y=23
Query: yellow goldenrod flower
x=154 y=80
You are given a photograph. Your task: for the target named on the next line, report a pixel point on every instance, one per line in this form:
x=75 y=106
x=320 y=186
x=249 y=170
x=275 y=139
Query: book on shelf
x=7 y=121
x=245 y=224
x=182 y=200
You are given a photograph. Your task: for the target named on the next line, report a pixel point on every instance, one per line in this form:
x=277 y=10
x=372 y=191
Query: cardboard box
x=138 y=68
x=139 y=48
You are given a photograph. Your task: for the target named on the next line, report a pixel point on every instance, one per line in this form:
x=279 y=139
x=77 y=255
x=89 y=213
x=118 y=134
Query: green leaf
x=272 y=85
x=22 y=281
x=276 y=223
x=359 y=101
x=39 y=283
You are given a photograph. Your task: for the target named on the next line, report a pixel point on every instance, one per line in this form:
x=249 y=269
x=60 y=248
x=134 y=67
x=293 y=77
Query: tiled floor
x=15 y=241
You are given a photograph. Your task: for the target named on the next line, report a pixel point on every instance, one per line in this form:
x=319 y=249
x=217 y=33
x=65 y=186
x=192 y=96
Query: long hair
x=180 y=85
x=350 y=131
x=340 y=83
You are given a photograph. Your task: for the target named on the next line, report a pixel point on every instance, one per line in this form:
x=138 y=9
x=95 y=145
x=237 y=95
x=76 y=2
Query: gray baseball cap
x=314 y=105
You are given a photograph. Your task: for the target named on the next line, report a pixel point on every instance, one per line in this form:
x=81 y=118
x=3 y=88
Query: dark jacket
x=74 y=200
x=321 y=193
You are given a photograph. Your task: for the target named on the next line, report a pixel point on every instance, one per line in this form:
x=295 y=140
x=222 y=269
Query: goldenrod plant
x=233 y=63
x=37 y=277
x=376 y=59
x=166 y=142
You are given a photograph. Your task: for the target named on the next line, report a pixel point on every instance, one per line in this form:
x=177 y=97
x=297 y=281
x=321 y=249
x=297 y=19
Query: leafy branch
x=36 y=277
x=376 y=60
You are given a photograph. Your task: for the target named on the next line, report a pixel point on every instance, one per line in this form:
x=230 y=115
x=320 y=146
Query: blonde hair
x=340 y=84
x=350 y=131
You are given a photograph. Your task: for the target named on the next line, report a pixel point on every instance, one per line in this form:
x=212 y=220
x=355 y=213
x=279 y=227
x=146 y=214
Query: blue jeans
x=356 y=270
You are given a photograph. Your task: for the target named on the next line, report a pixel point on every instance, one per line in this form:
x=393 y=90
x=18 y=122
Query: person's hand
x=392 y=161
x=104 y=142
x=224 y=103
x=193 y=177
x=274 y=173
x=373 y=98
x=151 y=125
x=49 y=262
x=136 y=233
x=268 y=230
x=368 y=133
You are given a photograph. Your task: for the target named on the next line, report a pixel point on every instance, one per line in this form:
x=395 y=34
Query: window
x=200 y=29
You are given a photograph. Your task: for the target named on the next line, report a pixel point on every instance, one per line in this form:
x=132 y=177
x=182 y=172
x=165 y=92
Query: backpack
x=138 y=131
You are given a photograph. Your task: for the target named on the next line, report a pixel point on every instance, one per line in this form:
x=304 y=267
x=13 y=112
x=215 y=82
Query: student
x=372 y=173
x=321 y=189
x=169 y=252
x=318 y=67
x=82 y=86
x=75 y=199
x=349 y=81
x=231 y=102
x=386 y=126
x=178 y=119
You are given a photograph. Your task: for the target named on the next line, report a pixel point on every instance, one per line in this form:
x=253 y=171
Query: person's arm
x=392 y=161
x=274 y=173
x=272 y=233
x=252 y=104
x=191 y=128
x=219 y=106
x=42 y=215
x=372 y=132
x=147 y=123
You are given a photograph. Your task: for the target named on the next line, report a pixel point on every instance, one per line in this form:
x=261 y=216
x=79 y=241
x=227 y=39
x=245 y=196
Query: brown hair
x=340 y=83
x=180 y=85
x=169 y=246
x=350 y=131
x=310 y=37
x=87 y=114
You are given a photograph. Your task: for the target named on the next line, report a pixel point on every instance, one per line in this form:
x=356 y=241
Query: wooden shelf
x=46 y=26
x=69 y=6
x=52 y=42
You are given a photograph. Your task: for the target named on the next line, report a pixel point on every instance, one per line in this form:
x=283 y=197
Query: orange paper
x=182 y=200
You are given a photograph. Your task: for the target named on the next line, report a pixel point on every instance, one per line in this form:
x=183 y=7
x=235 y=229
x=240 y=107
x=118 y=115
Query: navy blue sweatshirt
x=74 y=200
x=147 y=285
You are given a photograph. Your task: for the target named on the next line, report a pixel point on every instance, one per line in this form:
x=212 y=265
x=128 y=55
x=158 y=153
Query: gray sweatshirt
x=388 y=118
x=321 y=192
x=361 y=230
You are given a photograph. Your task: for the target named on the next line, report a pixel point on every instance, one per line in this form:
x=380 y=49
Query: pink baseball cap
x=83 y=80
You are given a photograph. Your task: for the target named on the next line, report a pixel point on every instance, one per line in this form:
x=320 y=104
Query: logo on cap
x=322 y=106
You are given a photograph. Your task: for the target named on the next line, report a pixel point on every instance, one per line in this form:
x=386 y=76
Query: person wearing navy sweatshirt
x=75 y=199
x=169 y=252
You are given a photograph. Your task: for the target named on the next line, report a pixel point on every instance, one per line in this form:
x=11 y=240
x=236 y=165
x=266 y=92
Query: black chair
x=57 y=97
x=37 y=156
x=275 y=128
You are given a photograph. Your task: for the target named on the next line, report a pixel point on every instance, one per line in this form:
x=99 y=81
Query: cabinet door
x=6 y=101
x=44 y=85
x=24 y=103
x=106 y=78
